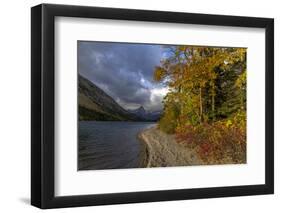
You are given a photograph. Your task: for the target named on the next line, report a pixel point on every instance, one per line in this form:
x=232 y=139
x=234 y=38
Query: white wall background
x=15 y=105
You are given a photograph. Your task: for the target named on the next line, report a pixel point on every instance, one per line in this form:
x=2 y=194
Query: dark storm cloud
x=124 y=71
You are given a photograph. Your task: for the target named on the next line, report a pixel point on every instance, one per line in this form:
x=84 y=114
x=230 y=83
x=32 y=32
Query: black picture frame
x=43 y=117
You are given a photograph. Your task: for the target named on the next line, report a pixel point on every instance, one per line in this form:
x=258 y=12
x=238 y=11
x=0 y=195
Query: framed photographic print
x=139 y=106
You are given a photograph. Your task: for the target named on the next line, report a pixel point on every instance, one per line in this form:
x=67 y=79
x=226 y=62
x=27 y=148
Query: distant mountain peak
x=141 y=109
x=146 y=115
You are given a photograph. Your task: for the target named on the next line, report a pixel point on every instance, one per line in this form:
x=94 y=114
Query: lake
x=109 y=144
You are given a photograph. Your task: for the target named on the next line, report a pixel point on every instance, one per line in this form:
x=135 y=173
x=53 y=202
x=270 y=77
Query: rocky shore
x=162 y=150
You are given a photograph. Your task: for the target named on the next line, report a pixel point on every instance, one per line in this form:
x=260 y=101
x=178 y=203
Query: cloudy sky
x=124 y=71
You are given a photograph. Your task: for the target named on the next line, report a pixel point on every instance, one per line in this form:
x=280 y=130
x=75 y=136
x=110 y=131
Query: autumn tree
x=197 y=78
x=207 y=87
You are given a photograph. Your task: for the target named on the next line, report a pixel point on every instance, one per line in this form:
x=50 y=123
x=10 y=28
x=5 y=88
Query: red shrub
x=215 y=143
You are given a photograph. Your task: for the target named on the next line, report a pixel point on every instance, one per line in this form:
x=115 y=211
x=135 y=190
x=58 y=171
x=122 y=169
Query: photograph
x=139 y=105
x=160 y=105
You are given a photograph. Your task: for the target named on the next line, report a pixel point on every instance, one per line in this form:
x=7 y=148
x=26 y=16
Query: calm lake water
x=109 y=145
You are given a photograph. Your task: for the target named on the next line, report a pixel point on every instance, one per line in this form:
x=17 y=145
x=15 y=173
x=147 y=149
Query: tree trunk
x=200 y=105
x=241 y=101
x=213 y=101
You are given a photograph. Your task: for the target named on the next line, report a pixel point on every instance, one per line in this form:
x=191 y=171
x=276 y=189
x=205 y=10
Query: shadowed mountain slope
x=95 y=104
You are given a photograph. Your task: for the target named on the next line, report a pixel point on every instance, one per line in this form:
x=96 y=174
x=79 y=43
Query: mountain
x=139 y=111
x=146 y=115
x=95 y=104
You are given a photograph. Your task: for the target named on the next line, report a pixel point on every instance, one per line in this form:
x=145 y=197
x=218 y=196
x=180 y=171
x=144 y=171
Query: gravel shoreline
x=161 y=150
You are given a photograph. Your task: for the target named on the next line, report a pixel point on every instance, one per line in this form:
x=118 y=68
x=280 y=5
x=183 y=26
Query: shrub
x=216 y=143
